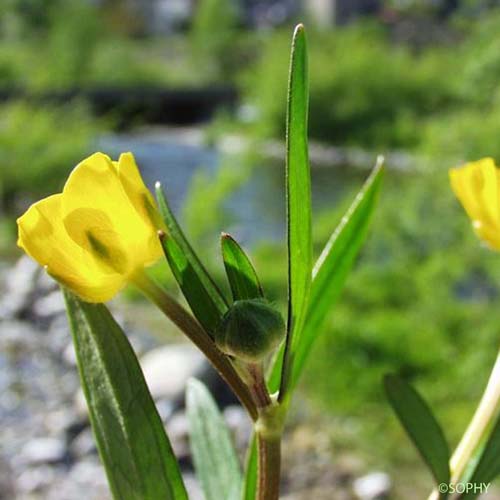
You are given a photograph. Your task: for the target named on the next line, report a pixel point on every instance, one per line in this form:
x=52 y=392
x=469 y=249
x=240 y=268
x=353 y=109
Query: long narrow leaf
x=331 y=270
x=488 y=465
x=214 y=456
x=250 y=478
x=197 y=296
x=241 y=274
x=298 y=202
x=175 y=231
x=132 y=443
x=421 y=426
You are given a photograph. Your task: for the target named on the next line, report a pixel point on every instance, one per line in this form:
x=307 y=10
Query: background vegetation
x=423 y=299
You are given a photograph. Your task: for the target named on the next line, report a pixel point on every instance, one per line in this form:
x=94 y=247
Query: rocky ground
x=46 y=445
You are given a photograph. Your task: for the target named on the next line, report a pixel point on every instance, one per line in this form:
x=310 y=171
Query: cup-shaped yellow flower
x=477 y=186
x=99 y=233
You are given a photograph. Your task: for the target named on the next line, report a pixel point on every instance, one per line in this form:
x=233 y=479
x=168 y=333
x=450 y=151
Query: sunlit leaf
x=215 y=458
x=298 y=185
x=132 y=443
x=202 y=294
x=250 y=479
x=421 y=426
x=488 y=464
x=240 y=272
x=331 y=270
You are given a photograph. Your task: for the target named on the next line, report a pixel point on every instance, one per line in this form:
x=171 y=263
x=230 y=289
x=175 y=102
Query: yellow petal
x=92 y=230
x=477 y=185
x=43 y=237
x=95 y=184
x=137 y=192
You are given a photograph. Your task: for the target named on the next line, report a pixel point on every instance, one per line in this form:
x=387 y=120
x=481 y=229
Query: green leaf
x=298 y=202
x=421 y=426
x=331 y=270
x=132 y=443
x=250 y=479
x=214 y=456
x=197 y=296
x=202 y=294
x=488 y=465
x=241 y=274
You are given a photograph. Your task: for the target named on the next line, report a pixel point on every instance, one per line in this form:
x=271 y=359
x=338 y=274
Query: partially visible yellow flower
x=477 y=186
x=99 y=232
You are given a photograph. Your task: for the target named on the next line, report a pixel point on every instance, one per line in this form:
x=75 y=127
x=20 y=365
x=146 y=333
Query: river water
x=257 y=206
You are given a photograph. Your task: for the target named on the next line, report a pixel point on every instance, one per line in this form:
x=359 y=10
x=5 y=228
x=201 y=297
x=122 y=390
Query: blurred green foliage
x=368 y=90
x=364 y=90
x=213 y=36
x=76 y=48
x=40 y=145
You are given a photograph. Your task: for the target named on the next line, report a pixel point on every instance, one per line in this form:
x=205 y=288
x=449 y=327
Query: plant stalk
x=191 y=328
x=478 y=428
x=269 y=467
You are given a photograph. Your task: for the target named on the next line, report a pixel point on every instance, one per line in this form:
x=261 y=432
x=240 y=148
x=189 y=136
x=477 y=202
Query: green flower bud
x=250 y=329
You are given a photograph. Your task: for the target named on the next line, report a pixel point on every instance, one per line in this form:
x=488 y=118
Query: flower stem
x=478 y=428
x=269 y=467
x=268 y=430
x=191 y=328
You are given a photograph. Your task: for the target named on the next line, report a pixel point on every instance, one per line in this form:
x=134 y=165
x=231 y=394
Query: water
x=257 y=208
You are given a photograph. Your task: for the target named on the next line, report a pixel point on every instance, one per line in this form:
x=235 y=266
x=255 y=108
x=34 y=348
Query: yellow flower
x=99 y=232
x=477 y=186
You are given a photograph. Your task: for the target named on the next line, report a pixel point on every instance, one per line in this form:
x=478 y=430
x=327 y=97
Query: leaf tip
x=299 y=29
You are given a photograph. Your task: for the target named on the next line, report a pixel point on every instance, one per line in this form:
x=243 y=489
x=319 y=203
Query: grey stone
x=43 y=450
x=19 y=288
x=35 y=479
x=373 y=486
x=83 y=444
x=193 y=487
x=178 y=432
x=239 y=424
x=69 y=355
x=49 y=305
x=168 y=368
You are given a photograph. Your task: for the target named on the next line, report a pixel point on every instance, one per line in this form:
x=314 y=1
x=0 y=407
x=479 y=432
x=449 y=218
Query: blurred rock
x=85 y=479
x=69 y=354
x=16 y=334
x=168 y=368
x=193 y=487
x=239 y=424
x=6 y=481
x=83 y=444
x=49 y=305
x=373 y=486
x=20 y=284
x=178 y=432
x=43 y=451
x=35 y=479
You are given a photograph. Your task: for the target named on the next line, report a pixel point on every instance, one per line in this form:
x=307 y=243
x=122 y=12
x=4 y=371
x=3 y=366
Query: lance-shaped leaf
x=250 y=478
x=488 y=464
x=298 y=185
x=421 y=426
x=241 y=274
x=331 y=270
x=215 y=458
x=204 y=297
x=132 y=443
x=196 y=294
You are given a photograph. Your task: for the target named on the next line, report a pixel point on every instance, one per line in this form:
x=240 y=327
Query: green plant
x=133 y=447
x=39 y=146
